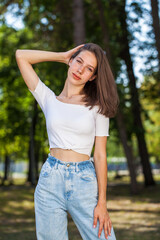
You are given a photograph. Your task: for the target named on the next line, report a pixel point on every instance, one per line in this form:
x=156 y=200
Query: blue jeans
x=66 y=187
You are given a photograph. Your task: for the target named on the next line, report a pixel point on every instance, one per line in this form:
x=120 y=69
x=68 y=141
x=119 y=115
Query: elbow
x=18 y=53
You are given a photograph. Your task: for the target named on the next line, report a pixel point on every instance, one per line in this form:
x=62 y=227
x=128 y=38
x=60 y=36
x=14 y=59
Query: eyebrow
x=88 y=64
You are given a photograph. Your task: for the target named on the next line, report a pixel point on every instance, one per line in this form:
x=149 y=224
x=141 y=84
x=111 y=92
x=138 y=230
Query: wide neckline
x=70 y=103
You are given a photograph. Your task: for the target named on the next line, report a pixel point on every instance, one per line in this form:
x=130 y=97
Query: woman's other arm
x=101 y=211
x=100 y=160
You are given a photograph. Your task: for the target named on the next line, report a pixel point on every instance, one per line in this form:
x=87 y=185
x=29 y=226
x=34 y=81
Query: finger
x=100 y=228
x=95 y=221
x=76 y=48
x=106 y=229
x=81 y=45
x=110 y=227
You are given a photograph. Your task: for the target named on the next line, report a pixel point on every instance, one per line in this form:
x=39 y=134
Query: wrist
x=102 y=202
x=62 y=57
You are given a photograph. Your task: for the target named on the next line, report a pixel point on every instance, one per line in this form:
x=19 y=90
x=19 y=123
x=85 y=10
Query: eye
x=90 y=69
x=78 y=61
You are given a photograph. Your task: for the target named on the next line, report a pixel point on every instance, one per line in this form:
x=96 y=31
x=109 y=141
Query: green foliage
x=150 y=90
x=48 y=26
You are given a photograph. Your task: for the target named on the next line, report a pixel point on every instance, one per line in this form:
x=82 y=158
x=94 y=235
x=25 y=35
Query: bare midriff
x=68 y=155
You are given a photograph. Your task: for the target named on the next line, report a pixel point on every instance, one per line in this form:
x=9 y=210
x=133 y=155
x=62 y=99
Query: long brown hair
x=101 y=91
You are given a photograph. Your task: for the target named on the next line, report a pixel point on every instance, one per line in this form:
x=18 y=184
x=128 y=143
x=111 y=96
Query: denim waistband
x=79 y=164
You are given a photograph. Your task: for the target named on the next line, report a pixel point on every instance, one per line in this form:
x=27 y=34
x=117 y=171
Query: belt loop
x=56 y=165
x=76 y=168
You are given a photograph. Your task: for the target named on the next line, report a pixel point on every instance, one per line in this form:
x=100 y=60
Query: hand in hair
x=69 y=53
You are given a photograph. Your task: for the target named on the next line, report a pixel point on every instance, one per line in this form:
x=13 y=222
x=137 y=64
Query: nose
x=80 y=69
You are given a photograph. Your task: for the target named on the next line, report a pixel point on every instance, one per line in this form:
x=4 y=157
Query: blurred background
x=129 y=33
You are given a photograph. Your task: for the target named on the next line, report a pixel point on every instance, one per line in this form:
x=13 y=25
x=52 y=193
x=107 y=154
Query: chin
x=72 y=81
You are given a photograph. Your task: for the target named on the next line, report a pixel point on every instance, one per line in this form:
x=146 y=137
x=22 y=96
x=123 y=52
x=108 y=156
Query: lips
x=75 y=76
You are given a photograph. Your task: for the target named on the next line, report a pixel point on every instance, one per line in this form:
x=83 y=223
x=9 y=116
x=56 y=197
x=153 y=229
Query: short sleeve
x=41 y=94
x=102 y=125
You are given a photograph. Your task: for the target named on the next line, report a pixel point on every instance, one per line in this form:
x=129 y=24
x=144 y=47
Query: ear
x=93 y=77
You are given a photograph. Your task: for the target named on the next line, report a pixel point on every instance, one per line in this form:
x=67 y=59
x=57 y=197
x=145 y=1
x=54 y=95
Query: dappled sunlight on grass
x=133 y=217
x=17 y=214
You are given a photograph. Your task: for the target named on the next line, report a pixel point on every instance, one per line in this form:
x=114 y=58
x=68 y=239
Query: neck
x=71 y=90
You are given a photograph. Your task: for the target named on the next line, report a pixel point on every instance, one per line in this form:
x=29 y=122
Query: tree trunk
x=156 y=26
x=78 y=22
x=31 y=153
x=36 y=160
x=136 y=107
x=128 y=151
x=104 y=29
x=119 y=116
x=6 y=167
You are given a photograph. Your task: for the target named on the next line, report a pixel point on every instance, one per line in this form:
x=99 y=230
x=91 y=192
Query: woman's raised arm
x=25 y=58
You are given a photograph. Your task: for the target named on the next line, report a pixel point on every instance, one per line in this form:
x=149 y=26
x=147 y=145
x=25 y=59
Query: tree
x=119 y=117
x=78 y=22
x=136 y=107
x=156 y=26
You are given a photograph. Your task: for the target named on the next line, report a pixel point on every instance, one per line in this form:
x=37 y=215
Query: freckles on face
x=84 y=65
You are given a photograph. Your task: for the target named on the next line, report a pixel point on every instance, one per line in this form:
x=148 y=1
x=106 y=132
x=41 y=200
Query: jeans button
x=68 y=165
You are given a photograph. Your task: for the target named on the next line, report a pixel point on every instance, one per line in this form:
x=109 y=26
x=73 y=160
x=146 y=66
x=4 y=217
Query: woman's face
x=82 y=67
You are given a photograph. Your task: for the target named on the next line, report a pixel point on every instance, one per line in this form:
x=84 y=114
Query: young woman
x=70 y=181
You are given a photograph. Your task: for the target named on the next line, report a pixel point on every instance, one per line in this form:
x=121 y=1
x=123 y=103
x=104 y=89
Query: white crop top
x=70 y=126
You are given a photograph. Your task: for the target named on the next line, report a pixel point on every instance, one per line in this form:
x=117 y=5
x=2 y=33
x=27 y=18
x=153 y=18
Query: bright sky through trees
x=139 y=56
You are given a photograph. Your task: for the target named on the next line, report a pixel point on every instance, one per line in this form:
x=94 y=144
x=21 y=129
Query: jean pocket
x=46 y=169
x=88 y=174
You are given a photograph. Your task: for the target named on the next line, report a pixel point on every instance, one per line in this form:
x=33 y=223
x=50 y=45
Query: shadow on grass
x=133 y=234
x=133 y=217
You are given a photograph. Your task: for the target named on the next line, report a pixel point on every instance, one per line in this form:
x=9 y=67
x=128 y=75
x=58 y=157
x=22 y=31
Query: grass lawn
x=133 y=217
